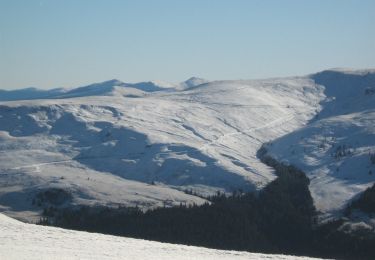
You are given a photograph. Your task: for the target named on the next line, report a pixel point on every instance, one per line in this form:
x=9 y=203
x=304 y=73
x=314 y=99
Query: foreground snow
x=27 y=241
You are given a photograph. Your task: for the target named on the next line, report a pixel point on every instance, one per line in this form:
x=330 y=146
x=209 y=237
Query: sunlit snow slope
x=335 y=149
x=143 y=144
x=27 y=241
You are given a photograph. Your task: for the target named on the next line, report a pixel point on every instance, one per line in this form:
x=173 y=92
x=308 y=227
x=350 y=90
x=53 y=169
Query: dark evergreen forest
x=279 y=219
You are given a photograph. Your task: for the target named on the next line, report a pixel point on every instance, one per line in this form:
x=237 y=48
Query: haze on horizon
x=49 y=44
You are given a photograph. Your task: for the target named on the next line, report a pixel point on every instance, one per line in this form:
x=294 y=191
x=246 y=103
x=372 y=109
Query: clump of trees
x=51 y=197
x=342 y=151
x=365 y=202
x=372 y=158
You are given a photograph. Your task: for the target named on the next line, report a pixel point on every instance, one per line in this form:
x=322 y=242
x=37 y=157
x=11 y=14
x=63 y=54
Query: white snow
x=28 y=241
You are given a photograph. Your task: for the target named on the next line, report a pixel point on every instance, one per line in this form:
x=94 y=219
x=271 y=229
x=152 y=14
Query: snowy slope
x=334 y=149
x=27 y=241
x=105 y=144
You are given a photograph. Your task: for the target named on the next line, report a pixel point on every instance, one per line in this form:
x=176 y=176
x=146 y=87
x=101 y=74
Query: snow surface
x=27 y=241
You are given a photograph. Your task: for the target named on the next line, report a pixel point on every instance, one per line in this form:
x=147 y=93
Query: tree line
x=281 y=218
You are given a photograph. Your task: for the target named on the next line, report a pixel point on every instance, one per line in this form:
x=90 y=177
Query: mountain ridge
x=101 y=88
x=204 y=138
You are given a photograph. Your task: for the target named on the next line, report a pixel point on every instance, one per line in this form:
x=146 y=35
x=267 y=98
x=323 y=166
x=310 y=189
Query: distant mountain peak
x=194 y=78
x=113 y=82
x=193 y=82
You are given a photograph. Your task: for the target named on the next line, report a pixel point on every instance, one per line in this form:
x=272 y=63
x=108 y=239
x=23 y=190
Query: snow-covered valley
x=145 y=144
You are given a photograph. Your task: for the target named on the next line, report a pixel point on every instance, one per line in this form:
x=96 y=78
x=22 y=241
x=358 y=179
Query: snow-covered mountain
x=335 y=148
x=27 y=241
x=145 y=143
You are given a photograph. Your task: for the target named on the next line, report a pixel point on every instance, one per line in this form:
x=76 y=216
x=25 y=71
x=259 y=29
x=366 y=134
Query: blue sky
x=75 y=42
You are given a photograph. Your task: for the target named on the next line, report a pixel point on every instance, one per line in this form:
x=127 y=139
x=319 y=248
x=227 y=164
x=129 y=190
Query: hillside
x=146 y=143
x=336 y=147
